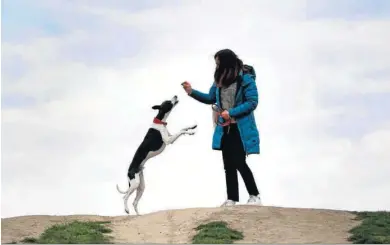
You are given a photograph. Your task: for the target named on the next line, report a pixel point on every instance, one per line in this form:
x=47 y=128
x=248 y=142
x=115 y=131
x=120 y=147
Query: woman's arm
x=251 y=98
x=208 y=99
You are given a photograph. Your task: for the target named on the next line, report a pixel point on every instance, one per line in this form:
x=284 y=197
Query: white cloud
x=65 y=153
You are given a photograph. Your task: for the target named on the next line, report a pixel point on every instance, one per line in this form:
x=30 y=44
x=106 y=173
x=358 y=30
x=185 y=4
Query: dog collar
x=158 y=121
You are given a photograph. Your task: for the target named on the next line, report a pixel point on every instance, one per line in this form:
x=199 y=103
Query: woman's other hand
x=225 y=115
x=187 y=87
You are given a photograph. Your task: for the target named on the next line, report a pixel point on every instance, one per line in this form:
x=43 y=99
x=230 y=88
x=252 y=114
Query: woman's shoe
x=254 y=200
x=228 y=203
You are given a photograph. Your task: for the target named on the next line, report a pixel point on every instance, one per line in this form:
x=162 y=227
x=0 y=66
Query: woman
x=236 y=93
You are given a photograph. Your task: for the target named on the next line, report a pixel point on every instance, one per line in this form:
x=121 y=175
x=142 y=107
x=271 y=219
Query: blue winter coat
x=245 y=104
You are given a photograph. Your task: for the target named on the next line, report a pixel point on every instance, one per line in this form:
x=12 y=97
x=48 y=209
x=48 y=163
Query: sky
x=79 y=79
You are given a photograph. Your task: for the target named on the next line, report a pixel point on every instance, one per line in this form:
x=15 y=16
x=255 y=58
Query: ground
x=258 y=225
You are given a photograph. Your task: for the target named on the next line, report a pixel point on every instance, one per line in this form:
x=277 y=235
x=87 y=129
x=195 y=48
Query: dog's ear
x=156 y=107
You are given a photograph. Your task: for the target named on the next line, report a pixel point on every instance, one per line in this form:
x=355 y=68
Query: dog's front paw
x=190 y=132
x=192 y=127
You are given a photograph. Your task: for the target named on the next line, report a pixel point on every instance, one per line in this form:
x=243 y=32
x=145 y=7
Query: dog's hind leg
x=134 y=184
x=140 y=191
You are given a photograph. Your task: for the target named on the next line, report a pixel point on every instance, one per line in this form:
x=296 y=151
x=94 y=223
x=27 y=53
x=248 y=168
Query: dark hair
x=229 y=67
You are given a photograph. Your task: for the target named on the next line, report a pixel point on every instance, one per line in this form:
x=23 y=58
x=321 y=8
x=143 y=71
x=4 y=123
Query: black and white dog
x=153 y=144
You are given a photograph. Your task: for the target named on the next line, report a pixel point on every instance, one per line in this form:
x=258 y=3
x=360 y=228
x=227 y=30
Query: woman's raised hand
x=187 y=87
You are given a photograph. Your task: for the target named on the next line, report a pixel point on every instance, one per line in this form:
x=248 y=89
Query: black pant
x=234 y=158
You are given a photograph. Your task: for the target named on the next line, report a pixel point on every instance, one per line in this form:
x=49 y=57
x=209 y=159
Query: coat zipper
x=239 y=85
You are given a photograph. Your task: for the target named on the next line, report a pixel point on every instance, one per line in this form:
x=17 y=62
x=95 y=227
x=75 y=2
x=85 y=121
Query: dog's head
x=165 y=108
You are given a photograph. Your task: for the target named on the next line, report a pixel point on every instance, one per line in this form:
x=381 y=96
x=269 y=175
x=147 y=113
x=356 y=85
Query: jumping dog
x=153 y=144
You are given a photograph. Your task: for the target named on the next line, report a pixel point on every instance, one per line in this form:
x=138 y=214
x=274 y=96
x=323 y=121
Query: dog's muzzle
x=175 y=100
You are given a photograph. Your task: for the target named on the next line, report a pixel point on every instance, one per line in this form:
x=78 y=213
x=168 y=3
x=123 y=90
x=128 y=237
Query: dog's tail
x=120 y=191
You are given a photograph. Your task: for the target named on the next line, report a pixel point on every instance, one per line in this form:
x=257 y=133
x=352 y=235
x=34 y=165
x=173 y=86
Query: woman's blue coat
x=246 y=103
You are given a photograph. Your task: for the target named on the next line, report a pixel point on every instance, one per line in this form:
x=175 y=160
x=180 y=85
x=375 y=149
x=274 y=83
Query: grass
x=374 y=229
x=216 y=232
x=74 y=232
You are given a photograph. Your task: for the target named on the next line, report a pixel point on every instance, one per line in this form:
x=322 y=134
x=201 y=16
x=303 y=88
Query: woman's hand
x=225 y=115
x=187 y=87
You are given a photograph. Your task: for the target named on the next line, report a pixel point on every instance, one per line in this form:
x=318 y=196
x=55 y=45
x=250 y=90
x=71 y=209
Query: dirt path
x=259 y=224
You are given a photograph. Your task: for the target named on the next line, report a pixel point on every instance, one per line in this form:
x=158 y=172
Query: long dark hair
x=229 y=67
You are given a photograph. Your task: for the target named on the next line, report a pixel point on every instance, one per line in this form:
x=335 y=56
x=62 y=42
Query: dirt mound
x=259 y=225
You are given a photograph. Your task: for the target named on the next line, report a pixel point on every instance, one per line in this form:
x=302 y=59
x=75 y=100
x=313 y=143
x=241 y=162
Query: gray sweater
x=228 y=96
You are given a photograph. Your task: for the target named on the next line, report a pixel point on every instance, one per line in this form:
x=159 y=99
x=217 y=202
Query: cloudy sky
x=79 y=78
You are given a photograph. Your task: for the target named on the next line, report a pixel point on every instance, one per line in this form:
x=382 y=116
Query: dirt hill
x=259 y=225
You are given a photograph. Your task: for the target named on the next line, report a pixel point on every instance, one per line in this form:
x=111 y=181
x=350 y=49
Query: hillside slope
x=259 y=225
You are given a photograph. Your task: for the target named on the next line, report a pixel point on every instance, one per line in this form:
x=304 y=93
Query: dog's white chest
x=155 y=153
x=152 y=154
